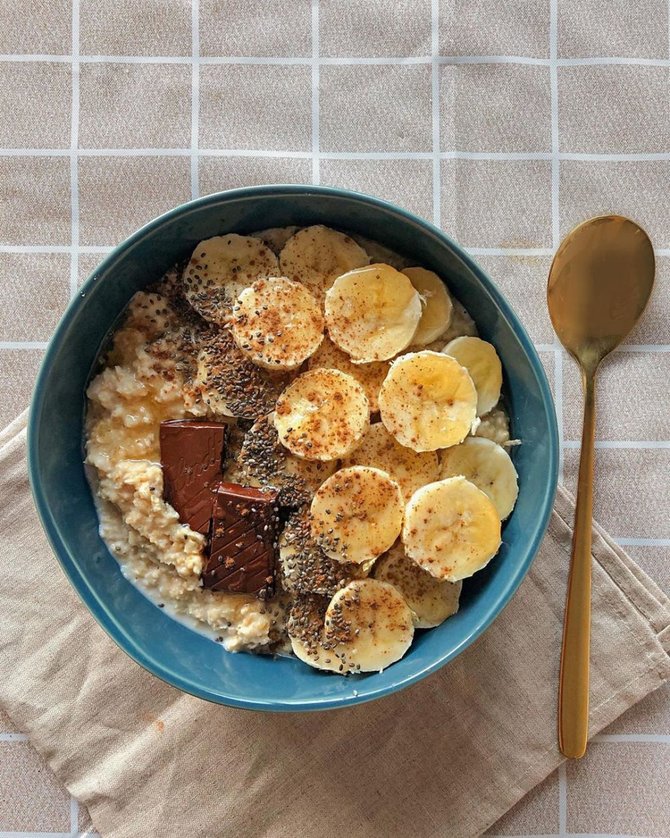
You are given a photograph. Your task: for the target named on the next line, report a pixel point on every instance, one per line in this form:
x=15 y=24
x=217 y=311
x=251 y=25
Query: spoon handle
x=573 y=696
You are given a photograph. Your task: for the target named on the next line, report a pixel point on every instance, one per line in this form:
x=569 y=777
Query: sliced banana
x=436 y=303
x=357 y=514
x=428 y=401
x=275 y=237
x=379 y=253
x=369 y=376
x=431 y=600
x=305 y=568
x=372 y=313
x=408 y=468
x=322 y=415
x=277 y=323
x=265 y=462
x=488 y=466
x=482 y=362
x=451 y=529
x=305 y=630
x=313 y=654
x=220 y=268
x=229 y=384
x=317 y=255
x=368 y=626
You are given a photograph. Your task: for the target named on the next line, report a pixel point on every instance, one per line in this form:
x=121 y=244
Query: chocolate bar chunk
x=191 y=455
x=243 y=541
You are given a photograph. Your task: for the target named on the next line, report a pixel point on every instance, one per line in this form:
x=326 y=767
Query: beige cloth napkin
x=448 y=756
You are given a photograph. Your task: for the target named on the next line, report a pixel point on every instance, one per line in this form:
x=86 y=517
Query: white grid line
x=74 y=160
x=287 y=60
x=74 y=816
x=316 y=80
x=496 y=155
x=455 y=154
x=571 y=834
x=195 y=96
x=510 y=251
x=562 y=799
x=435 y=92
x=53 y=248
x=13 y=737
x=36 y=835
x=23 y=344
x=555 y=213
x=624 y=541
x=644 y=347
x=636 y=738
x=555 y=148
x=35 y=248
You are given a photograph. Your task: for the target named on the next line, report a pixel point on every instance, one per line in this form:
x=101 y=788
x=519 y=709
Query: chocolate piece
x=191 y=455
x=243 y=541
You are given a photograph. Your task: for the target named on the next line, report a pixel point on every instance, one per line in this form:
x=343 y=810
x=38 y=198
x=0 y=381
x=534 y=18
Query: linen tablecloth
x=505 y=123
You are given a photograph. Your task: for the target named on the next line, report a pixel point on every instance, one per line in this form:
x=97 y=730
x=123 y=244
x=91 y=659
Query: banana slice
x=372 y=313
x=437 y=306
x=317 y=255
x=357 y=514
x=265 y=462
x=379 y=253
x=315 y=655
x=305 y=568
x=428 y=401
x=368 y=626
x=275 y=237
x=488 y=466
x=220 y=268
x=277 y=323
x=369 y=376
x=322 y=415
x=409 y=469
x=305 y=630
x=482 y=362
x=451 y=529
x=430 y=599
x=229 y=384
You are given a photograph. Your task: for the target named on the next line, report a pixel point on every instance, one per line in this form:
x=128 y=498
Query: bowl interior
x=170 y=649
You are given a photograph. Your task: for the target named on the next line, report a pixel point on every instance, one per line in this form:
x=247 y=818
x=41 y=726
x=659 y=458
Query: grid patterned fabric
x=503 y=122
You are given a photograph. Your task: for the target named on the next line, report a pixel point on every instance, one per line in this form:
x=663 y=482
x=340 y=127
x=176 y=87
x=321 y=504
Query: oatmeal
x=298 y=444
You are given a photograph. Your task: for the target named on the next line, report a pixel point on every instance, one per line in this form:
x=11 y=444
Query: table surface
x=504 y=123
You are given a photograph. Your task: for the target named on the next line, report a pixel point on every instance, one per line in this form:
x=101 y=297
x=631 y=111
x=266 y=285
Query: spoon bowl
x=599 y=284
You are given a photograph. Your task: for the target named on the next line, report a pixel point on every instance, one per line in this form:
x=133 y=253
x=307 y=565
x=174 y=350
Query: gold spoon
x=599 y=283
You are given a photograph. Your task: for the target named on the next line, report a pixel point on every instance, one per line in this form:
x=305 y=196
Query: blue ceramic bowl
x=171 y=650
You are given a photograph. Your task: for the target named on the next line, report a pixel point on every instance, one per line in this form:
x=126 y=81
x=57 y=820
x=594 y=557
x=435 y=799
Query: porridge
x=297 y=443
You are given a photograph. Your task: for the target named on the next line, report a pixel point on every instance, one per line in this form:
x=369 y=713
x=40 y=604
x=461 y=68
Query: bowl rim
x=70 y=565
